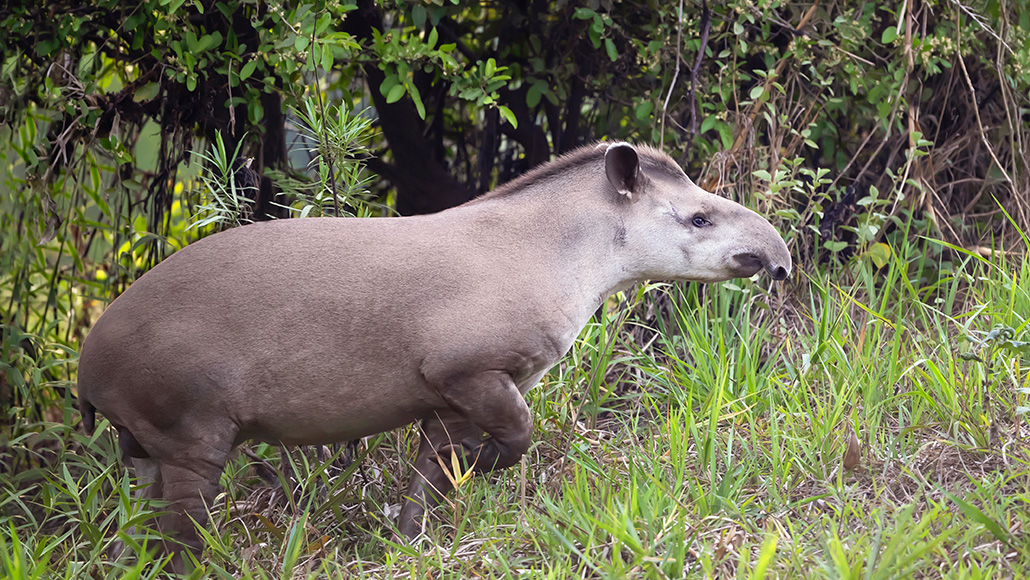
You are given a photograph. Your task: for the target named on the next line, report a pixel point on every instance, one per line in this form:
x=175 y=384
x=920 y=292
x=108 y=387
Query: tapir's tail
x=89 y=415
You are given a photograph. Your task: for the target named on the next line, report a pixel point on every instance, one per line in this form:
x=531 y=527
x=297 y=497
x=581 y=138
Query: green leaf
x=135 y=19
x=889 y=35
x=595 y=31
x=46 y=46
x=725 y=133
x=834 y=246
x=508 y=115
x=322 y=24
x=533 y=94
x=327 y=57
x=867 y=232
x=100 y=202
x=146 y=92
x=418 y=16
x=417 y=98
x=972 y=512
x=395 y=94
x=248 y=69
x=643 y=111
x=765 y=557
x=1015 y=346
x=209 y=41
x=708 y=123
x=879 y=253
x=191 y=41
x=94 y=174
x=609 y=46
x=757 y=91
x=255 y=112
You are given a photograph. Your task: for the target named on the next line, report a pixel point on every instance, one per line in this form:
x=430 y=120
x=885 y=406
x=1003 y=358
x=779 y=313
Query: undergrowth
x=861 y=420
x=815 y=429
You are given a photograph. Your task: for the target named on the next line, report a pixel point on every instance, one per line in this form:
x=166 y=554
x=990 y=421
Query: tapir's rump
x=321 y=330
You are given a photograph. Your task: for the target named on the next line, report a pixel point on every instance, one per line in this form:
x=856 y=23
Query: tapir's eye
x=699 y=221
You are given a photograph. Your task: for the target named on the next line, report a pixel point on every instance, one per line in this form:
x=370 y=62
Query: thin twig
x=706 y=26
x=323 y=139
x=977 y=19
x=756 y=104
x=675 y=75
x=232 y=106
x=976 y=111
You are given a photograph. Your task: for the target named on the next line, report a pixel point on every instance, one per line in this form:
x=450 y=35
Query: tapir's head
x=680 y=231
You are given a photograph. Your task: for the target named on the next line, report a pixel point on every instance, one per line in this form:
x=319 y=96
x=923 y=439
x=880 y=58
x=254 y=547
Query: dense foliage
x=858 y=126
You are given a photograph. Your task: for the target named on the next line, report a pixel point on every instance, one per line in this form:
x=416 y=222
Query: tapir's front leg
x=492 y=402
x=487 y=402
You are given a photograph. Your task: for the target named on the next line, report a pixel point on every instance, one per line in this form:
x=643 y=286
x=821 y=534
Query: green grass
x=690 y=433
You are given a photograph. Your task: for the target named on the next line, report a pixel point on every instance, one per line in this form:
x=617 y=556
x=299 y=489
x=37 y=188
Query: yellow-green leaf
x=879 y=253
x=508 y=115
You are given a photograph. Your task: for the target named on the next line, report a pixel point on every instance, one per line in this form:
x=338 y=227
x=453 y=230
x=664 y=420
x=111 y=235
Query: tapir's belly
x=295 y=425
x=329 y=395
x=307 y=410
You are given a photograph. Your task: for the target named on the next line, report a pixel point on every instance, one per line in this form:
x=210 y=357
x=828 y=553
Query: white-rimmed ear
x=622 y=166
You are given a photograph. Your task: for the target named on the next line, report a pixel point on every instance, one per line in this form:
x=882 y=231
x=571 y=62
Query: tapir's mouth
x=749 y=264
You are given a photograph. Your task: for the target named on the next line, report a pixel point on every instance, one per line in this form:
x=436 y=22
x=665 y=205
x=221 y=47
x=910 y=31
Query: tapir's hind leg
x=429 y=482
x=190 y=483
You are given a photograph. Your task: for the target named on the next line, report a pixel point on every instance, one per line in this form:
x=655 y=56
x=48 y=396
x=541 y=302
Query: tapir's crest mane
x=651 y=160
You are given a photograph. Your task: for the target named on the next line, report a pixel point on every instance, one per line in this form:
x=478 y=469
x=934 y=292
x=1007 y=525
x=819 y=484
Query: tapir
x=318 y=330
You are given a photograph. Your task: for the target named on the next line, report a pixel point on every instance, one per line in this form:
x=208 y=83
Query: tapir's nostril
x=778 y=272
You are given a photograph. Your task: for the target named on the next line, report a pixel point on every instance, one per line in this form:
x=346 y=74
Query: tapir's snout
x=778 y=262
x=751 y=263
x=774 y=257
x=741 y=244
x=772 y=254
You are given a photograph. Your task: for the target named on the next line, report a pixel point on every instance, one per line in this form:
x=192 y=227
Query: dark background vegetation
x=851 y=124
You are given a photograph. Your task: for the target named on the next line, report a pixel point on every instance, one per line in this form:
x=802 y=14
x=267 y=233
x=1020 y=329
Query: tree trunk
x=423 y=185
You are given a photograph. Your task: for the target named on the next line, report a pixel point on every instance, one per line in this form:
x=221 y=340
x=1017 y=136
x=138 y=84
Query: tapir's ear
x=622 y=165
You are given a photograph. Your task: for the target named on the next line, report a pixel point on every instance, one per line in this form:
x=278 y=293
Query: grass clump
x=693 y=431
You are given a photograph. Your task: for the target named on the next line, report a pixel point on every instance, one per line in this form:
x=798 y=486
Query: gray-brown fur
x=650 y=159
x=323 y=330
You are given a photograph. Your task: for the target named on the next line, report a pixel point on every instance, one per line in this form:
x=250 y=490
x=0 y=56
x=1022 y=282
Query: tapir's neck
x=569 y=244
